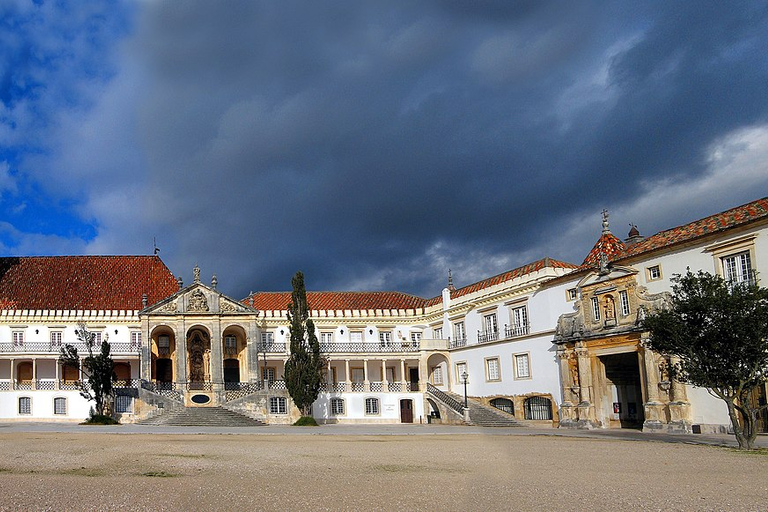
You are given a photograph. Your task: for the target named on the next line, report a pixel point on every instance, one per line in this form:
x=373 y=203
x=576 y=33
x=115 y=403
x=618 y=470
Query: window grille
x=123 y=404
x=371 y=406
x=60 y=405
x=595 y=308
x=25 y=405
x=277 y=405
x=538 y=408
x=337 y=407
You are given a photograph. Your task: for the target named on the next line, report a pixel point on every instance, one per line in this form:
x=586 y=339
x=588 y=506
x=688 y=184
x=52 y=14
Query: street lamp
x=465 y=377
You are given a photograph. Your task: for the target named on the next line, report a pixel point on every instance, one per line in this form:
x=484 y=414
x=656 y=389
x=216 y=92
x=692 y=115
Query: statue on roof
x=605 y=221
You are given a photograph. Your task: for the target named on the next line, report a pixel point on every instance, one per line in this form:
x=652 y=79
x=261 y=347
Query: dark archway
x=231 y=370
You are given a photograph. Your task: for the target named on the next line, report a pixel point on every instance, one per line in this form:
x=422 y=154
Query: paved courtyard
x=69 y=467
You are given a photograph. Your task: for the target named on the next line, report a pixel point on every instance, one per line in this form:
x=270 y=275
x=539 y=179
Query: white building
x=549 y=342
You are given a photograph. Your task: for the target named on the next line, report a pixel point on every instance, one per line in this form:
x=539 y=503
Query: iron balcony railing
x=365 y=347
x=458 y=342
x=36 y=347
x=513 y=331
x=485 y=337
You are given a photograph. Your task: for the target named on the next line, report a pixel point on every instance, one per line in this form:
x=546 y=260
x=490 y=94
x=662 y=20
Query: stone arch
x=163 y=351
x=198 y=356
x=438 y=370
x=235 y=362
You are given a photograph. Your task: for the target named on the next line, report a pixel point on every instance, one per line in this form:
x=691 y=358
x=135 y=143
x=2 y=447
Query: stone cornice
x=68 y=316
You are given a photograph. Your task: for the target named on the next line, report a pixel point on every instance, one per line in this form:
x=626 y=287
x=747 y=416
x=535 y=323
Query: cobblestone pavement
x=374 y=468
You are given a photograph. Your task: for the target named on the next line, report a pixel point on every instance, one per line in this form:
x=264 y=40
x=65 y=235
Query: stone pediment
x=198 y=299
x=604 y=277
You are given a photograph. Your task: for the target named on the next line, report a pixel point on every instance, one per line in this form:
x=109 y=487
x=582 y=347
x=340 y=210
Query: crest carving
x=228 y=307
x=171 y=307
x=197 y=302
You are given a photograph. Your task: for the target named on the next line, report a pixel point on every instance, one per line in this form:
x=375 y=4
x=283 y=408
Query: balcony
x=272 y=347
x=516 y=330
x=51 y=348
x=458 y=342
x=487 y=337
x=369 y=348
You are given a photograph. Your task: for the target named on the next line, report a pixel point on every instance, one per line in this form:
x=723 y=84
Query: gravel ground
x=72 y=471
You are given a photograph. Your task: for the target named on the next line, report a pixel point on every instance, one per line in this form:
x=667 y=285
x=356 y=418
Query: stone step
x=202 y=417
x=485 y=415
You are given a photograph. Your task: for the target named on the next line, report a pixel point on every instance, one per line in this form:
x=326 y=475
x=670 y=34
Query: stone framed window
x=60 y=406
x=624 y=302
x=522 y=366
x=25 y=405
x=653 y=273
x=492 y=369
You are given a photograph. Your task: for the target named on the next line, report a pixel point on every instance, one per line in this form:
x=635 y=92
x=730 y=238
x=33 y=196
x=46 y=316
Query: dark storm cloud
x=376 y=144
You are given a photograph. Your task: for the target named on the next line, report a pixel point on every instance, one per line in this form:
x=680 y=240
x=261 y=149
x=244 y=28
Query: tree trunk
x=740 y=431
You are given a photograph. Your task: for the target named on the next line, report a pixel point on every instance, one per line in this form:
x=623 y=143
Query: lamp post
x=465 y=377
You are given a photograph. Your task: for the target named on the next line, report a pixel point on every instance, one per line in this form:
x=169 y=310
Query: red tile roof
x=83 y=282
x=505 y=276
x=616 y=250
x=326 y=301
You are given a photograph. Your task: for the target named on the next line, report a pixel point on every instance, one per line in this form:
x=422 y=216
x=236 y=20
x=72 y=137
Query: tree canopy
x=717 y=332
x=303 y=369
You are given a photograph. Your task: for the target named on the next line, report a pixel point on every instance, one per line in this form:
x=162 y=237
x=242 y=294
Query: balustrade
x=369 y=348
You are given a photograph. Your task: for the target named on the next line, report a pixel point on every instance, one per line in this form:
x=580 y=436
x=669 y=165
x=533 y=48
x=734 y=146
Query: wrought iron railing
x=364 y=347
x=445 y=398
x=29 y=347
x=512 y=331
x=458 y=343
x=485 y=337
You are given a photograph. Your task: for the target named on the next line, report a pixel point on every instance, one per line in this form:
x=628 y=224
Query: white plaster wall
x=42 y=405
x=706 y=409
x=543 y=367
x=389 y=407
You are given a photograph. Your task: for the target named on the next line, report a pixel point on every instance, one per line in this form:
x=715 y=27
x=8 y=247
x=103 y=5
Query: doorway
x=231 y=370
x=164 y=370
x=406 y=411
x=414 y=374
x=623 y=399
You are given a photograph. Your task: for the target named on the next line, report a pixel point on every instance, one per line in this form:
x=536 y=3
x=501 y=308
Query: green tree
x=98 y=368
x=303 y=369
x=718 y=333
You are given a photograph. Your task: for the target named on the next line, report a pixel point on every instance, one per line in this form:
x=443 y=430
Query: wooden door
x=406 y=411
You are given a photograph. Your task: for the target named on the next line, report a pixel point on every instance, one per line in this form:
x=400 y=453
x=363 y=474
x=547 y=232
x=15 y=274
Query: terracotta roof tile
x=607 y=244
x=744 y=214
x=83 y=282
x=328 y=301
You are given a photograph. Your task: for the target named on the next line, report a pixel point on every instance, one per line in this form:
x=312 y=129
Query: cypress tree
x=303 y=370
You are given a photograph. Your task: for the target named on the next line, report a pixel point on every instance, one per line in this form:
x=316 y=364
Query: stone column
x=253 y=352
x=567 y=409
x=384 y=381
x=366 y=382
x=347 y=376
x=217 y=356
x=679 y=407
x=58 y=376
x=34 y=373
x=403 y=382
x=13 y=375
x=653 y=407
x=329 y=377
x=180 y=339
x=586 y=409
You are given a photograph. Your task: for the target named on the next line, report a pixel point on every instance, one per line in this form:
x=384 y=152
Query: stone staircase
x=202 y=417
x=485 y=415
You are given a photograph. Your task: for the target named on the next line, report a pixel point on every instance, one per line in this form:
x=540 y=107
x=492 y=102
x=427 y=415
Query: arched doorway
x=199 y=357
x=231 y=370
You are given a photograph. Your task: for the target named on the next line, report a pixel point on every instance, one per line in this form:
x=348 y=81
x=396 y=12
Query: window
x=60 y=405
x=277 y=405
x=571 y=294
x=97 y=338
x=624 y=302
x=385 y=338
x=459 y=334
x=519 y=321
x=25 y=405
x=337 y=407
x=371 y=406
x=538 y=408
x=124 y=404
x=737 y=268
x=595 y=309
x=492 y=369
x=135 y=339
x=268 y=374
x=356 y=336
x=164 y=341
x=438 y=333
x=18 y=338
x=522 y=366
x=55 y=339
x=267 y=338
x=230 y=344
x=437 y=375
x=490 y=323
x=416 y=337
x=326 y=337
x=358 y=374
x=653 y=273
x=461 y=369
